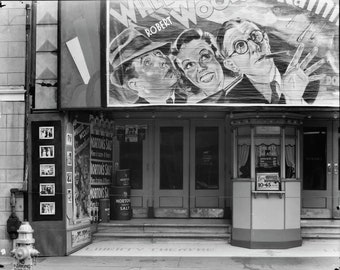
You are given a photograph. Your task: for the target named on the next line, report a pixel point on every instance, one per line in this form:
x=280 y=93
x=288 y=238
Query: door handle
x=335 y=168
x=329 y=168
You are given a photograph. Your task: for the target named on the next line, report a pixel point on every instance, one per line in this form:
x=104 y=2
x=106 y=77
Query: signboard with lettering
x=268 y=181
x=80 y=237
x=194 y=52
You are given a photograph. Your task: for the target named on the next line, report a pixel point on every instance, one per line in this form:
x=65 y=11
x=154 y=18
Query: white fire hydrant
x=24 y=252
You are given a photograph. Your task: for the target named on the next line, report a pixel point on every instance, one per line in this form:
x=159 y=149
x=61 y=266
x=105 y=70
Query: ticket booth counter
x=266 y=180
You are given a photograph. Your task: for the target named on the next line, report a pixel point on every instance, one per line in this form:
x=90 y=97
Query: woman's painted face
x=198 y=62
x=245 y=40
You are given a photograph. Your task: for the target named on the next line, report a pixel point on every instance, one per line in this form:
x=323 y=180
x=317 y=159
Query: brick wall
x=12 y=110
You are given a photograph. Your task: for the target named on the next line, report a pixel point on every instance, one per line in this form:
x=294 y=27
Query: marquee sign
x=201 y=52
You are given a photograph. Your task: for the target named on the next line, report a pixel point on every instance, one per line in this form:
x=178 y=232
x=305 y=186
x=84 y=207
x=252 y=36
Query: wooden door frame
x=144 y=196
x=316 y=212
x=335 y=169
x=221 y=190
x=178 y=211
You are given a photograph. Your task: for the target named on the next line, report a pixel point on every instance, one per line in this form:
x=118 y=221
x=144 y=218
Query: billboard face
x=216 y=53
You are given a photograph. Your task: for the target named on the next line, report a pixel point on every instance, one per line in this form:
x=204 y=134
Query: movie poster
x=82 y=170
x=204 y=52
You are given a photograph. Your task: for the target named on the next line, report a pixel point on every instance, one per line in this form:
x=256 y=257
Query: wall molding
x=12 y=94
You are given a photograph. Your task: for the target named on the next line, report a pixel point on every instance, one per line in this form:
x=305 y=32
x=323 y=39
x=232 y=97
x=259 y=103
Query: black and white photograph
x=46 y=151
x=46 y=133
x=170 y=134
x=69 y=158
x=69 y=176
x=69 y=196
x=69 y=139
x=47 y=170
x=47 y=189
x=47 y=208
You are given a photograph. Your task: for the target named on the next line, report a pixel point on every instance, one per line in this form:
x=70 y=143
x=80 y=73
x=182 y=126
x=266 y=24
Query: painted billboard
x=210 y=52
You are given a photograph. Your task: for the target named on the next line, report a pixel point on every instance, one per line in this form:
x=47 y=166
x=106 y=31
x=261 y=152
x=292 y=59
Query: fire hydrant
x=24 y=252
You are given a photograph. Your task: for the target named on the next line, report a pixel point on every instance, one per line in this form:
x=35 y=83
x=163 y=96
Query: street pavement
x=191 y=255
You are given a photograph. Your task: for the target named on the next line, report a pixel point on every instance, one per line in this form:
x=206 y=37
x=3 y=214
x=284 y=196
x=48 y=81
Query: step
x=320 y=229
x=320 y=236
x=164 y=228
x=161 y=235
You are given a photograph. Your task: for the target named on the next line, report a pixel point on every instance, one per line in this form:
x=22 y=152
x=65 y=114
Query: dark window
x=206 y=154
x=131 y=157
x=314 y=158
x=171 y=158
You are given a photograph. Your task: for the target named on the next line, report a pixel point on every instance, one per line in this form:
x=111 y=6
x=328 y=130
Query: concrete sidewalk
x=191 y=255
x=183 y=263
x=203 y=248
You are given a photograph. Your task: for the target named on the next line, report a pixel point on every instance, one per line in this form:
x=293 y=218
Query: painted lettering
x=158 y=26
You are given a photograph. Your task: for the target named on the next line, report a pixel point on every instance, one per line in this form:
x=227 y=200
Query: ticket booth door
x=188 y=167
x=320 y=194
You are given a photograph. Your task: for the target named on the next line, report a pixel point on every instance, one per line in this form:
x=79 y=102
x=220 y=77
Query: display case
x=71 y=166
x=266 y=180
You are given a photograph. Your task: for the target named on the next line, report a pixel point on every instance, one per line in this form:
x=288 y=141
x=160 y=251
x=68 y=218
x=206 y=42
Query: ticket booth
x=266 y=181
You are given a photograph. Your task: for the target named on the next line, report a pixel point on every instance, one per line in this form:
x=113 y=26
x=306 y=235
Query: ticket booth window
x=290 y=152
x=243 y=152
x=265 y=146
x=268 y=149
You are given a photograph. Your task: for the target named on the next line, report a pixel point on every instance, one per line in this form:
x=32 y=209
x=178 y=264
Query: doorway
x=320 y=193
x=189 y=168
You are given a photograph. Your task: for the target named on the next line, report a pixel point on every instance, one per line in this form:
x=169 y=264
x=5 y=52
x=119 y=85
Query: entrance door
x=188 y=168
x=320 y=194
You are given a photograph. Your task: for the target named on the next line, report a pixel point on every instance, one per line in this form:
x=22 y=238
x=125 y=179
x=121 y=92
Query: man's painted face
x=155 y=75
x=198 y=62
x=245 y=45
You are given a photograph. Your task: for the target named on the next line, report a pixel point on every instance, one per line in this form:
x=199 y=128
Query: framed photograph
x=47 y=170
x=46 y=133
x=268 y=182
x=69 y=139
x=69 y=158
x=69 y=195
x=46 y=151
x=69 y=177
x=47 y=208
x=47 y=189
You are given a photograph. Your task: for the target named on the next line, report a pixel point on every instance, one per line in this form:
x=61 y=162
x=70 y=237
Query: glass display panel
x=314 y=158
x=267 y=155
x=243 y=152
x=206 y=156
x=131 y=157
x=171 y=158
x=290 y=152
x=243 y=157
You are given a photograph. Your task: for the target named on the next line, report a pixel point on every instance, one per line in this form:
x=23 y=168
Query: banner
x=200 y=52
x=222 y=52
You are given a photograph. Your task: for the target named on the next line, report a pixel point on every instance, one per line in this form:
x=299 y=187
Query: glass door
x=206 y=164
x=132 y=150
x=189 y=168
x=320 y=176
x=171 y=197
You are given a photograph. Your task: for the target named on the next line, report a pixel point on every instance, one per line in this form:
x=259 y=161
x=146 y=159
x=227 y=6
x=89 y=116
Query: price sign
x=267 y=181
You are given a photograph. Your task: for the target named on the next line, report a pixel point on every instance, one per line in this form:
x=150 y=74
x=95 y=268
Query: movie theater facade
x=218 y=109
